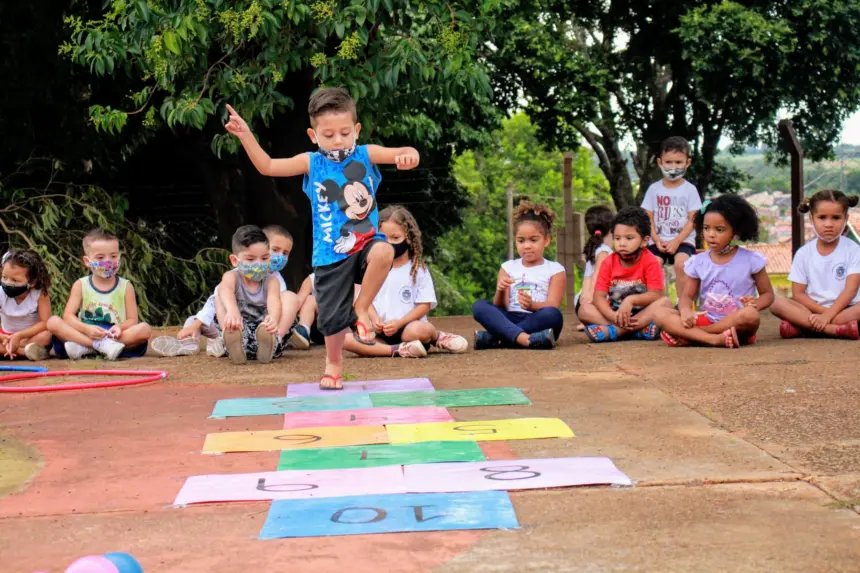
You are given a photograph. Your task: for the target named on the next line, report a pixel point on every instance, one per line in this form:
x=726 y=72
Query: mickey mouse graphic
x=354 y=199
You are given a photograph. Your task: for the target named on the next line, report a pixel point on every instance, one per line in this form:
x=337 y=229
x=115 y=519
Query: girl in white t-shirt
x=825 y=274
x=399 y=311
x=24 y=306
x=525 y=310
x=598 y=222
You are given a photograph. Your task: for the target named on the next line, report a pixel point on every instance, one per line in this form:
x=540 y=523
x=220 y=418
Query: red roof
x=778 y=257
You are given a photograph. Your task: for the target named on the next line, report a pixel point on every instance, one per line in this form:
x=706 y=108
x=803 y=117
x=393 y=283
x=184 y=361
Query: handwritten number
x=284 y=487
x=497 y=473
x=298 y=439
x=380 y=515
x=477 y=429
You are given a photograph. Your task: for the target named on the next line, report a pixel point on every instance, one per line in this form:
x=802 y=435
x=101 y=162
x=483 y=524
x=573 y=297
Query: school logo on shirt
x=406 y=295
x=839 y=272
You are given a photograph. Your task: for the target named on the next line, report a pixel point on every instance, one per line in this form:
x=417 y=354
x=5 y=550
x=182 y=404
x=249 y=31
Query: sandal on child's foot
x=329 y=382
x=357 y=329
x=730 y=337
x=650 y=332
x=675 y=341
x=849 y=331
x=601 y=332
x=788 y=330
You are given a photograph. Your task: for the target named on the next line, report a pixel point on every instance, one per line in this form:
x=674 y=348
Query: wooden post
x=792 y=145
x=569 y=235
x=510 y=198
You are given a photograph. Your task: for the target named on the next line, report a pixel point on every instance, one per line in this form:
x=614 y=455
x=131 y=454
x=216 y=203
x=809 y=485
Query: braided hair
x=37 y=271
x=401 y=216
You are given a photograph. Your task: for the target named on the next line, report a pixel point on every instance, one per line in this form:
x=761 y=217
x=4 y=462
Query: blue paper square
x=271 y=406
x=391 y=513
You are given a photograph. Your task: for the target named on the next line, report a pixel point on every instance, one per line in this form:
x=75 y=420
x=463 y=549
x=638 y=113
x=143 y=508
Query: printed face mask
x=277 y=262
x=400 y=248
x=254 y=271
x=14 y=290
x=105 y=269
x=336 y=155
x=674 y=173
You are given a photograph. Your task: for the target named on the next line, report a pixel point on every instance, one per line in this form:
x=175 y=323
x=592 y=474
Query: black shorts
x=335 y=290
x=668 y=259
x=393 y=340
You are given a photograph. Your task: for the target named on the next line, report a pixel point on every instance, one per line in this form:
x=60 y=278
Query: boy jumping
x=341 y=180
x=672 y=204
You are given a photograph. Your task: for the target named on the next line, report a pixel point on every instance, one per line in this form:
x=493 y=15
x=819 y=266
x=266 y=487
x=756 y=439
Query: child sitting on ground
x=726 y=278
x=341 y=180
x=598 y=222
x=399 y=311
x=187 y=341
x=629 y=287
x=101 y=313
x=24 y=306
x=825 y=274
x=525 y=310
x=672 y=204
x=305 y=331
x=249 y=303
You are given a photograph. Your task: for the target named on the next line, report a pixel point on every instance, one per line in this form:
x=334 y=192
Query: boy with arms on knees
x=672 y=204
x=341 y=180
x=249 y=301
x=101 y=313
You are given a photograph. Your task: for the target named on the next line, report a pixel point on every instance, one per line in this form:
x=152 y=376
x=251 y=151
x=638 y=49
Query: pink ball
x=92 y=564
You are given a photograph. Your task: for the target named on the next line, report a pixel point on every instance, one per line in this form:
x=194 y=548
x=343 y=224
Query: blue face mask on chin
x=277 y=262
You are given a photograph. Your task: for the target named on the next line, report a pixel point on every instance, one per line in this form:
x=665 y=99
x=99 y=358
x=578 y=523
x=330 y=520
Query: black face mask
x=13 y=291
x=400 y=248
x=631 y=257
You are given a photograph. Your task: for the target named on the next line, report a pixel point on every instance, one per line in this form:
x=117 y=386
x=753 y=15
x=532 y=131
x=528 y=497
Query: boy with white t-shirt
x=672 y=204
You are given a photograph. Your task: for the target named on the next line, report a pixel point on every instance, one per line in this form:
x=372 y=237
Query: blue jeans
x=509 y=325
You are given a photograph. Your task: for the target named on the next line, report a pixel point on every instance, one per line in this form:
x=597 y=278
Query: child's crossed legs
x=743 y=322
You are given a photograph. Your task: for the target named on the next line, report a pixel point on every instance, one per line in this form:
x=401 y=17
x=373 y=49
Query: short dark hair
x=246 y=236
x=97 y=234
x=675 y=143
x=331 y=100
x=275 y=230
x=809 y=203
x=739 y=214
x=635 y=217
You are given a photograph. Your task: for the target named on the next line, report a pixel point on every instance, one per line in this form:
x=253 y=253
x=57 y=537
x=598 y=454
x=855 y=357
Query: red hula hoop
x=144 y=376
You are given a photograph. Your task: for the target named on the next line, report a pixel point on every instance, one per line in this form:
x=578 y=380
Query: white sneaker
x=77 y=351
x=109 y=348
x=36 y=352
x=215 y=347
x=170 y=346
x=414 y=349
x=452 y=343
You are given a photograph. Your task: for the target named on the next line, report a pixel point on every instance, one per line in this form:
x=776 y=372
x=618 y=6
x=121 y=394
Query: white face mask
x=834 y=239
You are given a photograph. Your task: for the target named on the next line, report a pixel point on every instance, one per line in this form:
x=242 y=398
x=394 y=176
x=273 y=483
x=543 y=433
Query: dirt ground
x=744 y=460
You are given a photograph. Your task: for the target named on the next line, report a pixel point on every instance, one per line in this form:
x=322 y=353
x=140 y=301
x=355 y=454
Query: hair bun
x=804 y=206
x=853 y=200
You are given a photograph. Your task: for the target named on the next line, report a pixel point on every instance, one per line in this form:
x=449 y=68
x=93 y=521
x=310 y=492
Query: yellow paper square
x=486 y=430
x=294 y=439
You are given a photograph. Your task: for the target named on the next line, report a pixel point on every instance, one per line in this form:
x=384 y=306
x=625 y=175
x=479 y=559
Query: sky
x=851 y=132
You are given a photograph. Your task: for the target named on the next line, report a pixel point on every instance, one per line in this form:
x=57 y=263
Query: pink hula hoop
x=143 y=377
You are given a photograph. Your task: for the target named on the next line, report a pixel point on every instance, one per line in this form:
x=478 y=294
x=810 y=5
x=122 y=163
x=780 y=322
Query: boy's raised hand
x=236 y=125
x=407 y=160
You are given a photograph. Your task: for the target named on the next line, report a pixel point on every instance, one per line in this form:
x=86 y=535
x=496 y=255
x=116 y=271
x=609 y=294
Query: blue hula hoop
x=23 y=368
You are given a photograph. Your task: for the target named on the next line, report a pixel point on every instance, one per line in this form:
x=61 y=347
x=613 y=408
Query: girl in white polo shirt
x=525 y=310
x=825 y=274
x=399 y=311
x=24 y=306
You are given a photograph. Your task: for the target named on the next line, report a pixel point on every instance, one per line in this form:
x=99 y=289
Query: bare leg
x=377 y=349
x=334 y=361
x=68 y=333
x=746 y=321
x=42 y=339
x=588 y=314
x=419 y=330
x=289 y=308
x=136 y=335
x=379 y=262
x=308 y=312
x=795 y=313
x=851 y=313
x=646 y=316
x=669 y=320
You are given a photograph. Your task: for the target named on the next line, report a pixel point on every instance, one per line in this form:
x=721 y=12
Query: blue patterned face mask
x=254 y=271
x=277 y=262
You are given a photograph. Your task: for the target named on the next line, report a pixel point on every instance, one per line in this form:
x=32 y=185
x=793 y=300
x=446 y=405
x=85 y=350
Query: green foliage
x=53 y=219
x=468 y=257
x=190 y=56
x=613 y=72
